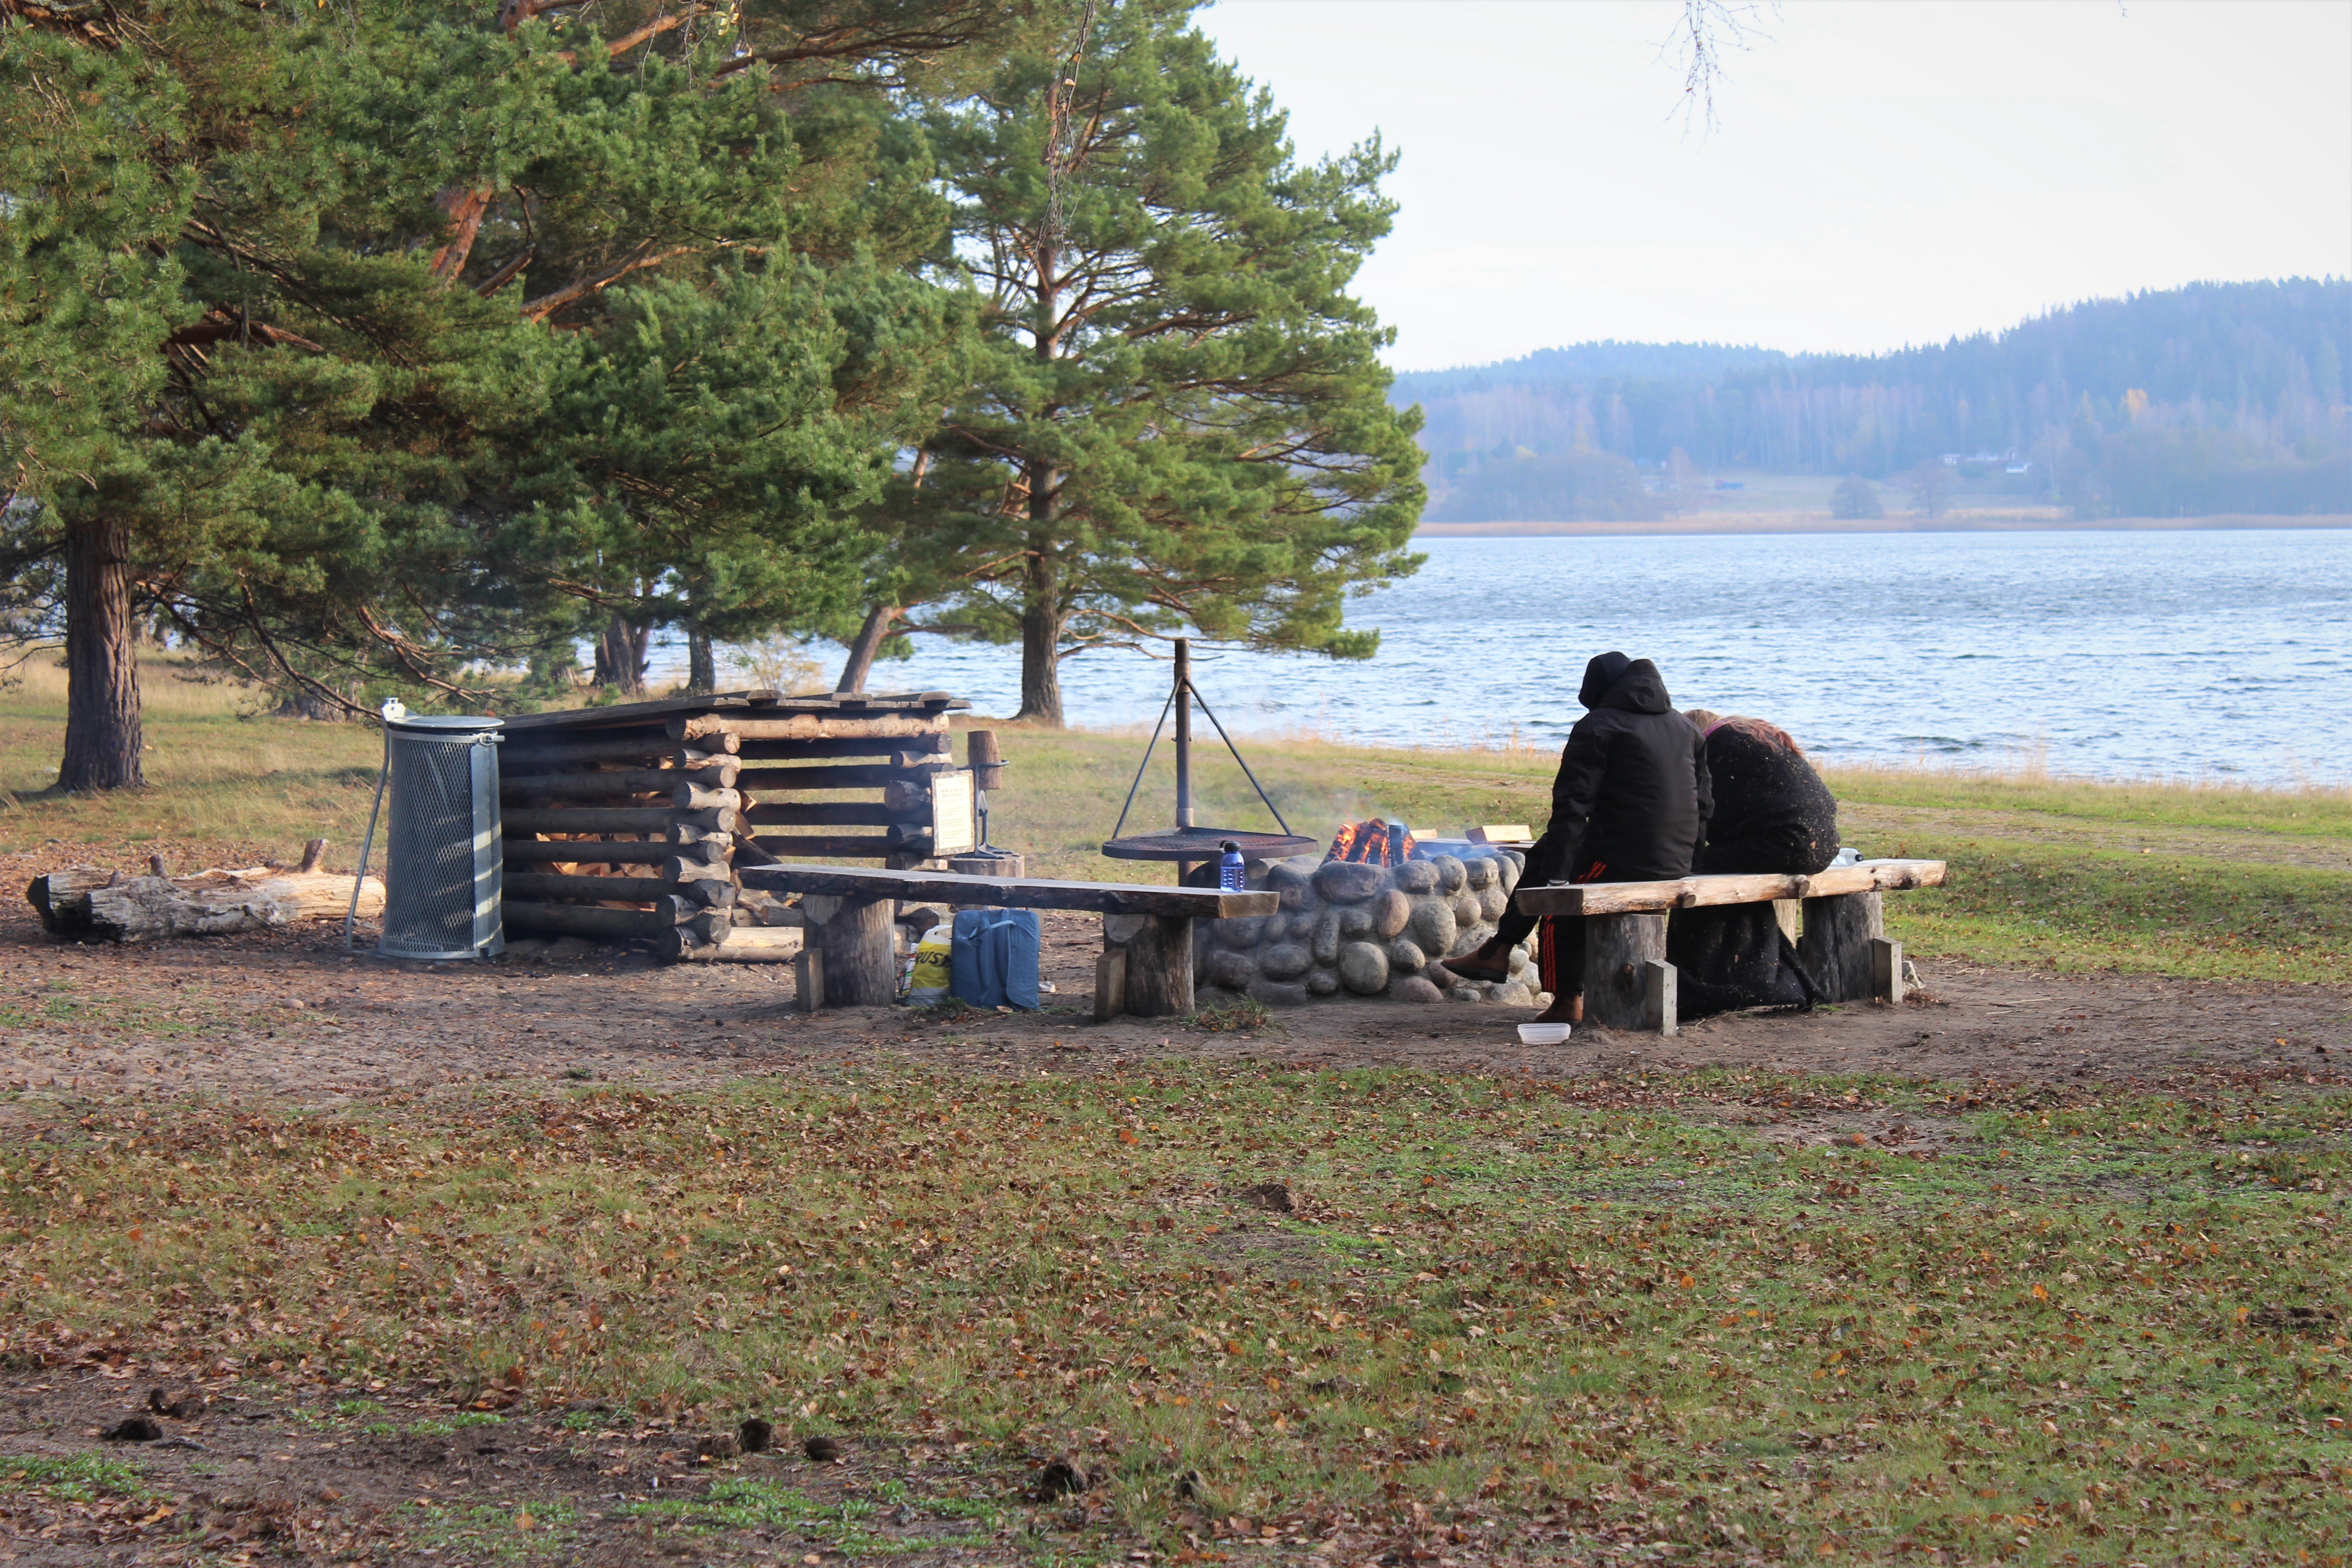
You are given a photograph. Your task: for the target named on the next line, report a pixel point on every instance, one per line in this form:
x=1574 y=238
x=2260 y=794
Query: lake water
x=2199 y=654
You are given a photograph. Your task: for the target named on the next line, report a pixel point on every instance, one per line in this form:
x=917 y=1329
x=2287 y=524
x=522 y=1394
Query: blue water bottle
x=1230 y=875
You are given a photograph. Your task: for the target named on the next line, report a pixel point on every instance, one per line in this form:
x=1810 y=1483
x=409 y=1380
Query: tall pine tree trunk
x=869 y=640
x=1041 y=643
x=102 y=733
x=1041 y=594
x=701 y=663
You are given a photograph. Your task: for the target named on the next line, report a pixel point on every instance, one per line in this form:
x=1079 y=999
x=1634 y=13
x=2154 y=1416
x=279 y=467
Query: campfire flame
x=1374 y=842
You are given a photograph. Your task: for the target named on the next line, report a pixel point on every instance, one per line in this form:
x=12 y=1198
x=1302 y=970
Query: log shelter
x=631 y=821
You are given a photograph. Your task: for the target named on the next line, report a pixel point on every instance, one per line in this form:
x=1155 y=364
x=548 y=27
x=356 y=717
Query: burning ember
x=1373 y=842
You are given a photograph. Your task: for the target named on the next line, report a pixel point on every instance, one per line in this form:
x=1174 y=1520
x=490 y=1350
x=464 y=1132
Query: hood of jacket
x=1632 y=684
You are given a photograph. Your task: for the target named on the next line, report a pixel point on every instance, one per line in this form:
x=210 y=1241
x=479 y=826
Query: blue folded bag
x=994 y=962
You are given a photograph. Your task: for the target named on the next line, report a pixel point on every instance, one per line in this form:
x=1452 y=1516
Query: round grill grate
x=1202 y=844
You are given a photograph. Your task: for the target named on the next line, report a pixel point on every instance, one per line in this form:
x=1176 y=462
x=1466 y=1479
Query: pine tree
x=87 y=290
x=708 y=456
x=1177 y=417
x=353 y=458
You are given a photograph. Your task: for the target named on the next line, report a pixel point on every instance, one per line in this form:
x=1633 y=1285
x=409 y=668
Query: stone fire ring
x=1347 y=930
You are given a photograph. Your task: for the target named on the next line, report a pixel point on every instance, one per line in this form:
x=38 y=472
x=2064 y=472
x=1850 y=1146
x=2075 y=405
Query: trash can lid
x=446 y=722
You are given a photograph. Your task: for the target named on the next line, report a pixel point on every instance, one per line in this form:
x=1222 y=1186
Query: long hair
x=1754 y=729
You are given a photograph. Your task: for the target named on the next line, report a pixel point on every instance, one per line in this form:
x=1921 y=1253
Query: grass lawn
x=2159 y=878
x=1499 y=1315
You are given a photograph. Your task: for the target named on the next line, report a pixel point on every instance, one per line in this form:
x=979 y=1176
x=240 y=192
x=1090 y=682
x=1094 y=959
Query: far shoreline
x=1791 y=523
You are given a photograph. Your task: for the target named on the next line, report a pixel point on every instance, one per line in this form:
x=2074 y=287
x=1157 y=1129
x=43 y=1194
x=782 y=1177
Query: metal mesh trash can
x=443 y=858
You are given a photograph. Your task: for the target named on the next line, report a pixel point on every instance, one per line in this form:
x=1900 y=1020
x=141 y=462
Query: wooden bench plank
x=1015 y=892
x=1687 y=892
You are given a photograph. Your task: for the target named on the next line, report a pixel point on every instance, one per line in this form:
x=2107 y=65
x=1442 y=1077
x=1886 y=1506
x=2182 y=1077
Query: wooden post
x=1886 y=970
x=1661 y=1007
x=1110 y=984
x=1616 y=984
x=808 y=978
x=985 y=757
x=1835 y=947
x=1110 y=965
x=1183 y=695
x=860 y=968
x=1789 y=913
x=1159 y=967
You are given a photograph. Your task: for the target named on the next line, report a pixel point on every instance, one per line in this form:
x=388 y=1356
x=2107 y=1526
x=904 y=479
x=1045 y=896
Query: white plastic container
x=1543 y=1034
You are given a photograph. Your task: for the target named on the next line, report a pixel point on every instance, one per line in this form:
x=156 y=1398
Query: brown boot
x=1490 y=962
x=1564 y=1009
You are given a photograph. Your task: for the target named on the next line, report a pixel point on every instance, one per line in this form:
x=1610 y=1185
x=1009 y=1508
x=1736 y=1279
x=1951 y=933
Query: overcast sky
x=1878 y=172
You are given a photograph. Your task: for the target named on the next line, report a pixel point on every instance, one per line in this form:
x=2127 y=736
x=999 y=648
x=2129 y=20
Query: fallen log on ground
x=85 y=904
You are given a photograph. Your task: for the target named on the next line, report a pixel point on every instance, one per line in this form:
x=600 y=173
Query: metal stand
x=1181 y=695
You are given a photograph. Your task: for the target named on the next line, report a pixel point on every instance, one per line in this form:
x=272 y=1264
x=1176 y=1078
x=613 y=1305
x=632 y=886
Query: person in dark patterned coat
x=1772 y=814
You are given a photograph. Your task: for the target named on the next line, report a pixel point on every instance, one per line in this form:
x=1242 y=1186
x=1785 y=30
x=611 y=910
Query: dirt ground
x=290 y=1017
x=265 y=1471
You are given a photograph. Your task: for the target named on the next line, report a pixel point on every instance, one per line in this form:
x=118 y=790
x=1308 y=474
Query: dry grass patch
x=1585 y=1315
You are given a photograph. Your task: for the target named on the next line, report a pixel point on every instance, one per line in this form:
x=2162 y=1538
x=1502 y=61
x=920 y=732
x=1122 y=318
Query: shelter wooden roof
x=762 y=704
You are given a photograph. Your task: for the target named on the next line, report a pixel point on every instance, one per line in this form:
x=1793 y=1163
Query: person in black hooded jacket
x=1628 y=804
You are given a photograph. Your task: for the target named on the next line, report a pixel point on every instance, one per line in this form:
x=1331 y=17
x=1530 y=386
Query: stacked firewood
x=627 y=823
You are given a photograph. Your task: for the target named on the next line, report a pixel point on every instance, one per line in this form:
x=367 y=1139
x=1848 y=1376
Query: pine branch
x=572 y=293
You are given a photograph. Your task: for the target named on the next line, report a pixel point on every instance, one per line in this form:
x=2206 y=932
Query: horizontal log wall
x=939 y=744
x=675 y=802
x=529 y=753
x=617 y=781
x=839 y=813
x=844 y=776
x=613 y=852
x=588 y=919
x=542 y=886
x=616 y=819
x=843 y=846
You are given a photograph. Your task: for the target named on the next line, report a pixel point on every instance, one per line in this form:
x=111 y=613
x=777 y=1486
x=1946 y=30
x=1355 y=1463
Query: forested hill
x=1582 y=364
x=2215 y=397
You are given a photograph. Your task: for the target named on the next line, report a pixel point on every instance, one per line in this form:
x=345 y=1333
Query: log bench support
x=1835 y=947
x=1618 y=951
x=1145 y=970
x=852 y=939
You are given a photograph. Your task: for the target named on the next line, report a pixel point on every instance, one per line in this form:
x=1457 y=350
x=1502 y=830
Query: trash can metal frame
x=423 y=913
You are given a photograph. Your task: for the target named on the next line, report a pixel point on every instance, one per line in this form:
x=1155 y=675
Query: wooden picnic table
x=1145 y=970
